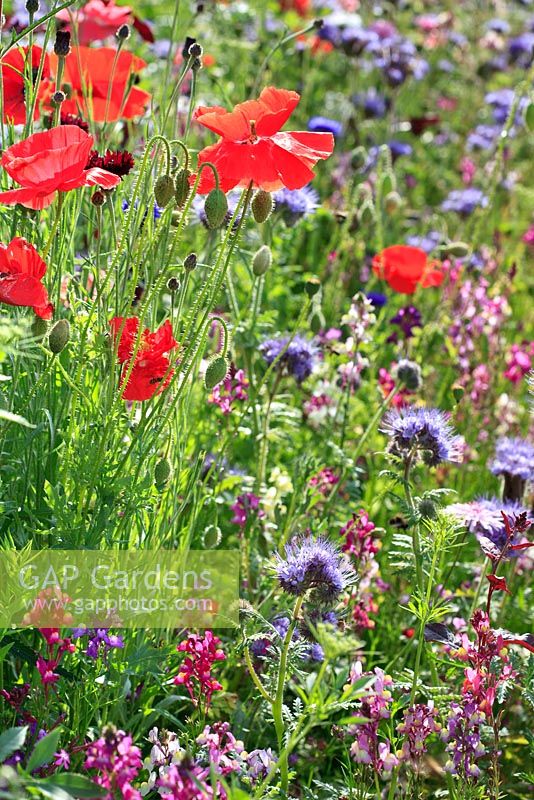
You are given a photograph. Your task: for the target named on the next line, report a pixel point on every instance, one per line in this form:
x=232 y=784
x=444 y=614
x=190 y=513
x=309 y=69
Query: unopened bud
x=123 y=33
x=39 y=327
x=410 y=374
x=32 y=6
x=62 y=44
x=59 y=336
x=313 y=285
x=366 y=213
x=195 y=50
x=262 y=205
x=190 y=262
x=455 y=249
x=173 y=284
x=181 y=186
x=162 y=473
x=216 y=371
x=58 y=98
x=427 y=509
x=98 y=198
x=358 y=158
x=392 y=201
x=164 y=190
x=216 y=208
x=212 y=537
x=317 y=321
x=262 y=260
x=388 y=183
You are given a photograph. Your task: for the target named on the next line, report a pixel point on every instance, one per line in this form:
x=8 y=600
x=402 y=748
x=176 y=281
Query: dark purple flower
x=422 y=432
x=427 y=242
x=464 y=201
x=372 y=102
x=313 y=564
x=408 y=318
x=326 y=125
x=298 y=359
x=377 y=299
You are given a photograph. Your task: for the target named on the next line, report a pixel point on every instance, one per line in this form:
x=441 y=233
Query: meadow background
x=253 y=368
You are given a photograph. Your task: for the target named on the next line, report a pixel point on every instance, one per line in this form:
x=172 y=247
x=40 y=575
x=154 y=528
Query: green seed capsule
x=216 y=208
x=164 y=190
x=182 y=188
x=59 y=336
x=162 y=473
x=216 y=371
x=262 y=260
x=262 y=205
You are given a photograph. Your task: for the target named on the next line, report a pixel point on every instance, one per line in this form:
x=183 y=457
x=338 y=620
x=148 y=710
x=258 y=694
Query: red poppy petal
x=101 y=177
x=24 y=290
x=311 y=147
x=29 y=198
x=25 y=258
x=232 y=125
x=279 y=105
x=294 y=173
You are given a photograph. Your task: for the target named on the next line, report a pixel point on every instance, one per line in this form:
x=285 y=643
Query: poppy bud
x=317 y=321
x=162 y=473
x=366 y=214
x=39 y=327
x=32 y=6
x=262 y=205
x=190 y=262
x=313 y=285
x=58 y=98
x=388 y=183
x=98 y=198
x=427 y=509
x=164 y=190
x=181 y=187
x=59 y=336
x=455 y=249
x=216 y=208
x=262 y=260
x=173 y=284
x=410 y=374
x=196 y=65
x=62 y=44
x=216 y=371
x=212 y=536
x=123 y=33
x=358 y=158
x=195 y=50
x=392 y=202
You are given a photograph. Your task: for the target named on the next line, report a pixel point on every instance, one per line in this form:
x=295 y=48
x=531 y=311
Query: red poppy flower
x=21 y=273
x=253 y=148
x=404 y=268
x=13 y=65
x=97 y=19
x=89 y=71
x=49 y=162
x=151 y=371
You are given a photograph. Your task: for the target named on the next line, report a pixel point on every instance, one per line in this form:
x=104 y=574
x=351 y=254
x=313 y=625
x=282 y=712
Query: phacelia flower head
x=422 y=432
x=514 y=459
x=483 y=517
x=313 y=564
x=297 y=358
x=294 y=204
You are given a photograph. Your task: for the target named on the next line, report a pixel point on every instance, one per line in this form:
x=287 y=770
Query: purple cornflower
x=423 y=432
x=372 y=102
x=298 y=357
x=462 y=736
x=294 y=204
x=316 y=564
x=407 y=319
x=464 y=201
x=326 y=125
x=418 y=724
x=514 y=459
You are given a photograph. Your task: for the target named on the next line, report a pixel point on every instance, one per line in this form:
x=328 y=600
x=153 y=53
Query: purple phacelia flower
x=313 y=564
x=422 y=432
x=298 y=358
x=294 y=204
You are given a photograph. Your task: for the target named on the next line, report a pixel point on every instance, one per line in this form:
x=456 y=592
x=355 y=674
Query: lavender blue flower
x=298 y=359
x=313 y=564
x=428 y=242
x=294 y=204
x=422 y=432
x=464 y=201
x=483 y=137
x=514 y=457
x=372 y=102
x=326 y=125
x=483 y=517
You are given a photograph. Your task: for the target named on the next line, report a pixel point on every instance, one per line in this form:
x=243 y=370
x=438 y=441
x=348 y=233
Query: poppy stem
x=55 y=225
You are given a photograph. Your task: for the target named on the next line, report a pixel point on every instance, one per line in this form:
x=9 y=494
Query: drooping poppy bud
x=215 y=208
x=262 y=205
x=216 y=371
x=262 y=260
x=162 y=473
x=164 y=190
x=182 y=188
x=59 y=336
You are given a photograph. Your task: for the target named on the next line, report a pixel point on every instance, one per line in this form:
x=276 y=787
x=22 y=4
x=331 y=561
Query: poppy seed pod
x=195 y=50
x=181 y=186
x=164 y=190
x=312 y=286
x=216 y=208
x=32 y=6
x=410 y=374
x=216 y=371
x=123 y=33
x=262 y=205
x=59 y=336
x=262 y=260
x=58 y=98
x=98 y=198
x=162 y=473
x=62 y=44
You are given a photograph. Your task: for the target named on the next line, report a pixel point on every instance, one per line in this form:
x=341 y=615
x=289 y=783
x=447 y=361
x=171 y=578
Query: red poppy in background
x=13 y=64
x=253 y=148
x=97 y=19
x=21 y=272
x=49 y=162
x=404 y=268
x=151 y=371
x=99 y=91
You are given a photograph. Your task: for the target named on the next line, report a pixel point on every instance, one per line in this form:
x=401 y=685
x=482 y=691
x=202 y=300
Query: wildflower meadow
x=266 y=399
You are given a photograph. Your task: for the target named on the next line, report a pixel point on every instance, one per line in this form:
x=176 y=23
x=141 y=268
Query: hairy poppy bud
x=312 y=286
x=181 y=186
x=98 y=198
x=410 y=374
x=164 y=190
x=59 y=336
x=262 y=205
x=32 y=6
x=216 y=208
x=190 y=262
x=212 y=536
x=123 y=33
x=162 y=473
x=366 y=214
x=262 y=260
x=392 y=201
x=455 y=249
x=195 y=50
x=358 y=158
x=216 y=371
x=388 y=183
x=39 y=327
x=173 y=284
x=58 y=98
x=427 y=508
x=317 y=321
x=62 y=44
x=529 y=116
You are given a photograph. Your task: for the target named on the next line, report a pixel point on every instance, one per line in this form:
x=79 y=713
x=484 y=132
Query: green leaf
x=529 y=116
x=12 y=740
x=44 y=750
x=77 y=785
x=8 y=416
